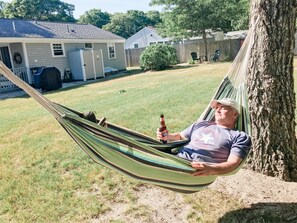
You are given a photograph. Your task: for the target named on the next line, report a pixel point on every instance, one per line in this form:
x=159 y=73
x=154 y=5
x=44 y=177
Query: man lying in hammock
x=215 y=147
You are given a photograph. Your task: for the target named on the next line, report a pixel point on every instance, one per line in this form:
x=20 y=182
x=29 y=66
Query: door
x=4 y=56
x=98 y=63
x=5 y=84
x=88 y=64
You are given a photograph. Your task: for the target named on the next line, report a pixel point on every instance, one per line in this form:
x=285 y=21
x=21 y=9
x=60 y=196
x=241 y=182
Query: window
x=135 y=45
x=88 y=46
x=111 y=51
x=58 y=50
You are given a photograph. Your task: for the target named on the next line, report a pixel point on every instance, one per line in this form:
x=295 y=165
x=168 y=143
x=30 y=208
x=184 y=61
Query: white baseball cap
x=226 y=101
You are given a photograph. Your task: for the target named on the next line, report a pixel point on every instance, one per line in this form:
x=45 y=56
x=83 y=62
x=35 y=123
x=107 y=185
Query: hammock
x=136 y=155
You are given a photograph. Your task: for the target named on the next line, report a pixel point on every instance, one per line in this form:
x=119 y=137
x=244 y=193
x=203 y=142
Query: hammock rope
x=134 y=154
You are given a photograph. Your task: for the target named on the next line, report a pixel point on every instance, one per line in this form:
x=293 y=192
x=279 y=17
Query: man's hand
x=206 y=169
x=162 y=135
x=170 y=136
x=202 y=169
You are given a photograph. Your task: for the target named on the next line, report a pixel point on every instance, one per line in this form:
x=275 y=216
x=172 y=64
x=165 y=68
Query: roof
x=56 y=30
x=141 y=34
x=240 y=34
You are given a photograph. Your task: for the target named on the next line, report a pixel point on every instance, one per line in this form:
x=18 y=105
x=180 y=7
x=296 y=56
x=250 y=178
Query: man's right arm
x=171 y=136
x=175 y=136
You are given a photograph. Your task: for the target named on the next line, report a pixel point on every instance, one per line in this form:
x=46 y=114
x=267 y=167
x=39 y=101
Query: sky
x=110 y=6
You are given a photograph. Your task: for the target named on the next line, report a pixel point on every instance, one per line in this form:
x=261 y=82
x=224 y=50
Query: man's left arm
x=205 y=169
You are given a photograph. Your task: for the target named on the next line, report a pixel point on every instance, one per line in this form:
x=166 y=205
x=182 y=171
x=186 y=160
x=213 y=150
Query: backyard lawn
x=46 y=177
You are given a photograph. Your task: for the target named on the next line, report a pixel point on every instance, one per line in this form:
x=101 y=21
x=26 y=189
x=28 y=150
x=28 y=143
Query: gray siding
x=119 y=62
x=73 y=46
x=40 y=54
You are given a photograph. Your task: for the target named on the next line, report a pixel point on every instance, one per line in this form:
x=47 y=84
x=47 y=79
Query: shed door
x=98 y=63
x=88 y=64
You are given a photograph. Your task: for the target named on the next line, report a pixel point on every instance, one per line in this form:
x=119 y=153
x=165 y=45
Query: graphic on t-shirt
x=207 y=138
x=204 y=140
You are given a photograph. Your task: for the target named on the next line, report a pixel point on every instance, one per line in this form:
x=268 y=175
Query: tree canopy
x=2 y=6
x=184 y=19
x=95 y=17
x=194 y=16
x=49 y=10
x=127 y=24
x=180 y=19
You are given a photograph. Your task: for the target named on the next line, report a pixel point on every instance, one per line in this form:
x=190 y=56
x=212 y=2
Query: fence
x=229 y=49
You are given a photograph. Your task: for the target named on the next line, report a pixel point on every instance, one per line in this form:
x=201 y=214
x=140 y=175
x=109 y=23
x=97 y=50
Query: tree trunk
x=271 y=89
x=205 y=45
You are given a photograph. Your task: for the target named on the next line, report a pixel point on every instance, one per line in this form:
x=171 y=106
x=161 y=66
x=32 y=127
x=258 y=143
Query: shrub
x=191 y=61
x=158 y=57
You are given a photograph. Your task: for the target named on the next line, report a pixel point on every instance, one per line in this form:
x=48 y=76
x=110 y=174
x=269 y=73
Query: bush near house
x=158 y=57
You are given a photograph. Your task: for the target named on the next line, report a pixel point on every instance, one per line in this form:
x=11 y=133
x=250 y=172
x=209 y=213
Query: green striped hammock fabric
x=136 y=155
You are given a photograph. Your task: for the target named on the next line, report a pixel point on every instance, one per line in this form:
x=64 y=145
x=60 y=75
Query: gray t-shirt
x=213 y=144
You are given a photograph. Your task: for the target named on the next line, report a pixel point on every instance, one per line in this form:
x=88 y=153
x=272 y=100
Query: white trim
x=125 y=56
x=63 y=49
x=82 y=65
x=26 y=60
x=51 y=40
x=115 y=55
x=94 y=67
x=102 y=63
x=10 y=56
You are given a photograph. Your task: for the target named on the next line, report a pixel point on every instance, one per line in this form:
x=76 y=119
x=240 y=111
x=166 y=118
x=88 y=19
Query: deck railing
x=5 y=84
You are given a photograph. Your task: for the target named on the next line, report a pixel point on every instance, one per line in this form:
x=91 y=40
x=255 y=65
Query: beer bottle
x=163 y=128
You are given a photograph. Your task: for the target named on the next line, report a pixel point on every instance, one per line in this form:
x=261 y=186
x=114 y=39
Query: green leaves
x=187 y=18
x=127 y=24
x=158 y=57
x=50 y=10
x=95 y=17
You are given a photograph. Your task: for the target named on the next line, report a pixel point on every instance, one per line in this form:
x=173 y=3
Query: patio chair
x=195 y=57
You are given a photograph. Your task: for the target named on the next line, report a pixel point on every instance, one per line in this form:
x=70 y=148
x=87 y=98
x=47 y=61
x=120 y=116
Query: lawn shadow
x=183 y=66
x=263 y=212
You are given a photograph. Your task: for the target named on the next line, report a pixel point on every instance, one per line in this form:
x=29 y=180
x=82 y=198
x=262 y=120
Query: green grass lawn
x=46 y=177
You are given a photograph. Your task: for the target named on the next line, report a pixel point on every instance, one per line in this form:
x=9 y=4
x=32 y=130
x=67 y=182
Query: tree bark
x=271 y=89
x=205 y=45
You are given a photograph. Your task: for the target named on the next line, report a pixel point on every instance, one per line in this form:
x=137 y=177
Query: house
x=239 y=34
x=82 y=49
x=144 y=38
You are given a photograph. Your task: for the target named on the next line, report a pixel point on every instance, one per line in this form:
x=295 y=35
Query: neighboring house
x=240 y=34
x=144 y=38
x=149 y=35
x=27 y=44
